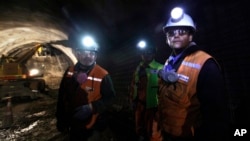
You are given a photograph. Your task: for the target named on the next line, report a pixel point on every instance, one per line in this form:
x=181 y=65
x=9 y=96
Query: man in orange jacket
x=85 y=93
x=192 y=100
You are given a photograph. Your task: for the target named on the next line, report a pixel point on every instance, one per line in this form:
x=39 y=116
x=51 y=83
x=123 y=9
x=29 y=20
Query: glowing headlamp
x=177 y=14
x=89 y=43
x=145 y=47
x=142 y=44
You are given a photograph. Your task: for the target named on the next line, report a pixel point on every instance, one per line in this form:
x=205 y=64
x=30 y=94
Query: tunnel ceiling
x=22 y=28
x=113 y=21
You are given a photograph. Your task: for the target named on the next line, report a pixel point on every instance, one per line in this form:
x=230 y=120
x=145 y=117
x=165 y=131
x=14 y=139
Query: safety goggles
x=87 y=53
x=180 y=32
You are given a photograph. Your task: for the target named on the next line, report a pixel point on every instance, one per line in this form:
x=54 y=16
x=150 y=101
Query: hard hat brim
x=167 y=28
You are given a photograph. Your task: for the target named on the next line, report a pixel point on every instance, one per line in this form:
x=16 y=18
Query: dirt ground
x=34 y=120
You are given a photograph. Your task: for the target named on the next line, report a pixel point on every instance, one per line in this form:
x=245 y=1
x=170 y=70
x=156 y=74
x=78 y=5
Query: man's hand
x=82 y=112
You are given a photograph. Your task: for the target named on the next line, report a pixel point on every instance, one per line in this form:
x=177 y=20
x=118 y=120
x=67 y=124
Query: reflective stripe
x=183 y=77
x=70 y=73
x=95 y=79
x=192 y=65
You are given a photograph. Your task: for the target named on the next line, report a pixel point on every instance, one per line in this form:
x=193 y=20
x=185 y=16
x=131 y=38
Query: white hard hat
x=179 y=19
x=88 y=43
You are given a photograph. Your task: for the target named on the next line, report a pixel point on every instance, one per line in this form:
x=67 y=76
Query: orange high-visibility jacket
x=178 y=102
x=89 y=90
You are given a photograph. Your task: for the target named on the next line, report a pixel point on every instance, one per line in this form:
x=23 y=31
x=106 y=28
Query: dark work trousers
x=144 y=121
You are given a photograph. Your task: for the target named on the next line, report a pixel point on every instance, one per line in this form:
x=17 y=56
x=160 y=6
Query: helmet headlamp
x=177 y=14
x=145 y=47
x=142 y=44
x=88 y=43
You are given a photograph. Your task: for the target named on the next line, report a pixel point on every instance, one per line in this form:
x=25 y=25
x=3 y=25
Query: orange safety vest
x=178 y=103
x=89 y=91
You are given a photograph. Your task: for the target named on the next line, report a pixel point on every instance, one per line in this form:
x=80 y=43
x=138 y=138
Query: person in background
x=86 y=91
x=192 y=100
x=144 y=88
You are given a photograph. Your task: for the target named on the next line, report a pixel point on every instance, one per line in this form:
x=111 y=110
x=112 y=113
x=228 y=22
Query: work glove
x=82 y=113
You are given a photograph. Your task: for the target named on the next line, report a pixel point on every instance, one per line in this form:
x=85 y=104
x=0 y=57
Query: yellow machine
x=12 y=68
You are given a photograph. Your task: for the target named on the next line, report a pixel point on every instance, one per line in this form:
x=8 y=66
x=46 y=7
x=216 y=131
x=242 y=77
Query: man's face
x=178 y=37
x=86 y=58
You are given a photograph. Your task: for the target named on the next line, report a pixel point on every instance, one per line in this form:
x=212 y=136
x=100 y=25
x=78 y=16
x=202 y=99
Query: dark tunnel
x=43 y=34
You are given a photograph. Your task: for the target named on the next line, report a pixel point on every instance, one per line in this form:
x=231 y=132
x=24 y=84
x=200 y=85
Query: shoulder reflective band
x=95 y=79
x=192 y=65
x=70 y=73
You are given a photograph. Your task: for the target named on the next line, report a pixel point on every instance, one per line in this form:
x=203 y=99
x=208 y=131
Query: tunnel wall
x=223 y=28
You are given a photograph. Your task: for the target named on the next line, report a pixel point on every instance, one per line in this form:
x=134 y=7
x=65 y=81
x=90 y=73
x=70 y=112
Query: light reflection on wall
x=22 y=28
